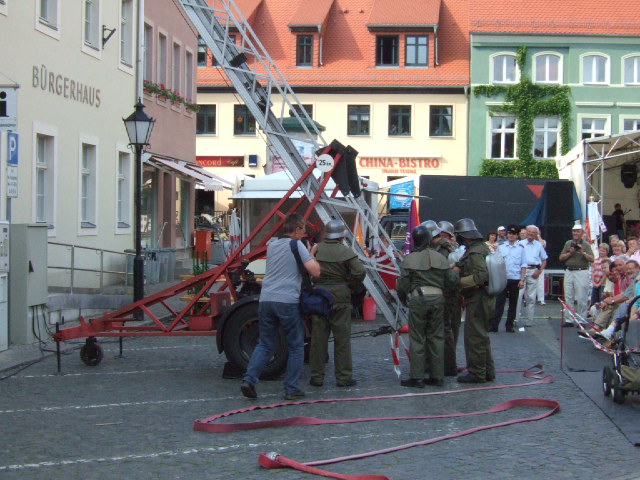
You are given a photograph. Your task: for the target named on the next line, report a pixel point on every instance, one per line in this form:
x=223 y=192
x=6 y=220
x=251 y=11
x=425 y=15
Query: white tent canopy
x=594 y=166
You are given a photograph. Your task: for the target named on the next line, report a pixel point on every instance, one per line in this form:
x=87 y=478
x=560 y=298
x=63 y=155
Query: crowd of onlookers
x=602 y=297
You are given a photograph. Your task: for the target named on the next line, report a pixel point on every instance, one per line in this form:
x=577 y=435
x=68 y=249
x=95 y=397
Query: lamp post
x=139 y=126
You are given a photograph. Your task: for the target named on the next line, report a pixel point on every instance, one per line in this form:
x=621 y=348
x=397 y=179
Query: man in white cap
x=502 y=235
x=577 y=256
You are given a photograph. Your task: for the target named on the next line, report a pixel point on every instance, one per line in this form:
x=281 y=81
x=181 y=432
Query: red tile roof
x=404 y=12
x=248 y=8
x=349 y=47
x=312 y=12
x=587 y=17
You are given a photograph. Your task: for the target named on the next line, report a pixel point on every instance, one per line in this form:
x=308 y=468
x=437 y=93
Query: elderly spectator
x=577 y=257
x=599 y=273
x=502 y=235
x=535 y=259
x=632 y=249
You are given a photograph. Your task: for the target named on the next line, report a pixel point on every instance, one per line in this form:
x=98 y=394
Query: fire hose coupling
x=270 y=460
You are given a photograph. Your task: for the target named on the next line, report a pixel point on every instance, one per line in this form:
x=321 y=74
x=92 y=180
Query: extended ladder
x=259 y=82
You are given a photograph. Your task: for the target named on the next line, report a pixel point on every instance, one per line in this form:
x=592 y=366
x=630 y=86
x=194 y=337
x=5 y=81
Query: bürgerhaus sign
x=66 y=87
x=400 y=164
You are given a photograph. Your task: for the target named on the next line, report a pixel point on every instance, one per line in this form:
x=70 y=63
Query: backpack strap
x=306 y=281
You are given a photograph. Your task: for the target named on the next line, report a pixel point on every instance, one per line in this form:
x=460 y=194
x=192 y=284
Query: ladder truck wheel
x=241 y=337
x=91 y=353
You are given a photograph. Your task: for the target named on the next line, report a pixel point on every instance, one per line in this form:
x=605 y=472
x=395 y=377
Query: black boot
x=412 y=382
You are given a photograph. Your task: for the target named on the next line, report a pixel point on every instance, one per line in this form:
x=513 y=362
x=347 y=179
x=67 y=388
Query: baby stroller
x=624 y=376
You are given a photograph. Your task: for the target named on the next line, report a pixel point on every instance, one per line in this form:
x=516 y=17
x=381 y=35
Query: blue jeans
x=272 y=315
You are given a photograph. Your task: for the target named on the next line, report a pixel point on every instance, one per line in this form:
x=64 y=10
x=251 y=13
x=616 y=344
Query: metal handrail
x=99 y=251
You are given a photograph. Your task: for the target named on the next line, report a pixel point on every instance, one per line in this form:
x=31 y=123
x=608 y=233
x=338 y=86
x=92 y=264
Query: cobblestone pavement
x=133 y=417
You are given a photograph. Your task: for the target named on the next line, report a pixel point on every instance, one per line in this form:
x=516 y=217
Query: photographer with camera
x=577 y=256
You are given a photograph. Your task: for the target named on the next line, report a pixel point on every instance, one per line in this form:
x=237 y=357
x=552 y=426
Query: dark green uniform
x=340 y=272
x=479 y=307
x=425 y=268
x=452 y=316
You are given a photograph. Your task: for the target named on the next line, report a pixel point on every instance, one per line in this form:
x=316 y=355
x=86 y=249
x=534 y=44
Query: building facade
x=388 y=78
x=594 y=51
x=69 y=193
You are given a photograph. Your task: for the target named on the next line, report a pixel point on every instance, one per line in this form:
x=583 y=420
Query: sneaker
x=608 y=332
x=294 y=395
x=248 y=389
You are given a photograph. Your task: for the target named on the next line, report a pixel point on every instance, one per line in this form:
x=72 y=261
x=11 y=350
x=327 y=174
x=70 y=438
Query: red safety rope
x=274 y=460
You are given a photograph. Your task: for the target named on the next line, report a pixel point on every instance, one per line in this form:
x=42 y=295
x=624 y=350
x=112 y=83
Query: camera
x=577 y=246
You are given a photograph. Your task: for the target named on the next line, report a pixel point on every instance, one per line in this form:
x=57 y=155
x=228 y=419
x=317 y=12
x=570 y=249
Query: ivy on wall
x=526 y=101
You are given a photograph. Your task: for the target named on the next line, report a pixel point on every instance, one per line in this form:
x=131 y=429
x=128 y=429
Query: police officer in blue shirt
x=513 y=253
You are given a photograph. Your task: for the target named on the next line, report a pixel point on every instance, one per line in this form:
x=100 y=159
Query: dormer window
x=387 y=51
x=304 y=51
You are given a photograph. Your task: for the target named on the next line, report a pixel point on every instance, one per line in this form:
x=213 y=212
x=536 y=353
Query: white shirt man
x=535 y=259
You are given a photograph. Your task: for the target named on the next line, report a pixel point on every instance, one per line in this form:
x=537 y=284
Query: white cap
x=577 y=226
x=501 y=228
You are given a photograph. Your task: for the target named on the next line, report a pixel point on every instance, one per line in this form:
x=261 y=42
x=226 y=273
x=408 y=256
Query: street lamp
x=139 y=126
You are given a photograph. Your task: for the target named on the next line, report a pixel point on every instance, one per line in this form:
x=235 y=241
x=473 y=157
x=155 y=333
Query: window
x=44 y=173
x=593 y=127
x=176 y=65
x=148 y=53
x=88 y=184
x=504 y=69
x=416 y=51
x=188 y=76
x=126 y=33
x=387 y=50
x=358 y=119
x=123 y=190
x=399 y=120
x=630 y=124
x=545 y=137
x=503 y=137
x=547 y=68
x=202 y=52
x=48 y=13
x=244 y=123
x=440 y=120
x=595 y=69
x=161 y=69
x=304 y=51
x=632 y=70
x=92 y=23
x=206 y=120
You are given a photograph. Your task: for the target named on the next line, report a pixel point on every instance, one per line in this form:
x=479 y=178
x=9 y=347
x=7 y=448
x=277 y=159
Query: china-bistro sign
x=400 y=164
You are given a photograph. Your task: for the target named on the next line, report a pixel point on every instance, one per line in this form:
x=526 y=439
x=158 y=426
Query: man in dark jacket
x=341 y=272
x=424 y=275
x=474 y=277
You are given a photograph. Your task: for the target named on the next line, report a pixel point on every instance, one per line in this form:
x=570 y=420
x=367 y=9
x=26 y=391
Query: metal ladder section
x=257 y=79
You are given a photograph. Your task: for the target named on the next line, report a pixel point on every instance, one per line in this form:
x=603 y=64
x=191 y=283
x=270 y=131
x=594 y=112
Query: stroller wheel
x=616 y=389
x=607 y=374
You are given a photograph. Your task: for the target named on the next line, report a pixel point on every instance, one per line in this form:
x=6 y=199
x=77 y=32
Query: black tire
x=616 y=389
x=607 y=374
x=241 y=336
x=91 y=353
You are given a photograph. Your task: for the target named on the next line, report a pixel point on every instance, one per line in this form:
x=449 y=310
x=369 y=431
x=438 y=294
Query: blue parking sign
x=12 y=148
